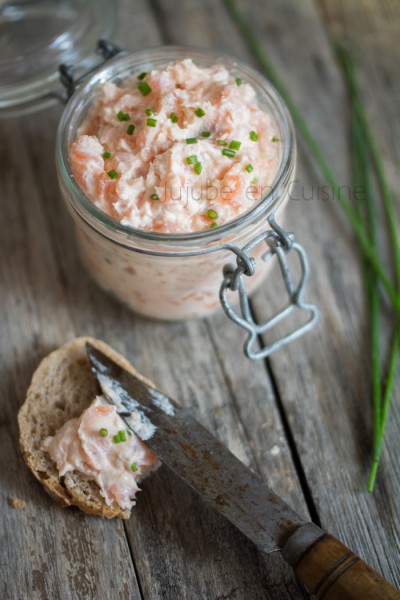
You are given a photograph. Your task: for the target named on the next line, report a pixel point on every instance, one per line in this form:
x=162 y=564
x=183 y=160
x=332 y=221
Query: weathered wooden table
x=302 y=419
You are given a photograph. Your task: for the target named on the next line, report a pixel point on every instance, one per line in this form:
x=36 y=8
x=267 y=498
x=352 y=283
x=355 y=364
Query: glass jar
x=161 y=275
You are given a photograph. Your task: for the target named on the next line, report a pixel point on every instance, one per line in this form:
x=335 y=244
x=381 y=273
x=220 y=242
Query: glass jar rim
x=129 y=63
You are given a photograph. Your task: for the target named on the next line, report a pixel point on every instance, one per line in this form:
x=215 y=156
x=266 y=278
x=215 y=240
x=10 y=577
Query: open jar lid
x=36 y=37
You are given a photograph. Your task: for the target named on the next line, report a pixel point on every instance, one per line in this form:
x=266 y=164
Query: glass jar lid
x=36 y=37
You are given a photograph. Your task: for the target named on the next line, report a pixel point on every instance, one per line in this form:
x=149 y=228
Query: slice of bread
x=61 y=388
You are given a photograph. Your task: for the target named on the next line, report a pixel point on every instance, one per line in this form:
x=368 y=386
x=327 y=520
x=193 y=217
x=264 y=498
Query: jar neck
x=147 y=241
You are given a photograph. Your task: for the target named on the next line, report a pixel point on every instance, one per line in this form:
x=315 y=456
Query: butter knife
x=325 y=566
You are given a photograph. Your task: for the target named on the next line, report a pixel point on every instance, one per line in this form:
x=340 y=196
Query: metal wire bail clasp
x=279 y=243
x=105 y=49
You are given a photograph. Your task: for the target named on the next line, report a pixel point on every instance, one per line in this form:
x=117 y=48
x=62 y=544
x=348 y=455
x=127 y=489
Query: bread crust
x=61 y=388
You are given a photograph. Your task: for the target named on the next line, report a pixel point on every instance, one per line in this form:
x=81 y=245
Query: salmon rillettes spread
x=98 y=445
x=181 y=149
x=176 y=150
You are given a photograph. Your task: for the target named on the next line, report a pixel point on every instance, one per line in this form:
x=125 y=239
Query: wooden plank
x=255 y=425
x=46 y=552
x=180 y=548
x=323 y=379
x=213 y=549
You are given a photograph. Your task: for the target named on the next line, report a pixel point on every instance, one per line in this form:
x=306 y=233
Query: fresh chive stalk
x=313 y=147
x=367 y=149
x=381 y=404
x=366 y=210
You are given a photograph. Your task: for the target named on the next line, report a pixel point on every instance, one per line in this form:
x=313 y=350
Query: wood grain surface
x=302 y=419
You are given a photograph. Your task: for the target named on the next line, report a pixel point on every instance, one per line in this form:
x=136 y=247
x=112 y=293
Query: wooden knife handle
x=331 y=571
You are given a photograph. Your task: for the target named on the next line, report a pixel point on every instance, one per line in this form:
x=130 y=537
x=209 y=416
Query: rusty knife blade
x=203 y=462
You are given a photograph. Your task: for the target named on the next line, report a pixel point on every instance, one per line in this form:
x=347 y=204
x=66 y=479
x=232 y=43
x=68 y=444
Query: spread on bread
x=99 y=446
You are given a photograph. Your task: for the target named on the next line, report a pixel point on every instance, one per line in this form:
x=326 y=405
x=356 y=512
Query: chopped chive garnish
x=234 y=145
x=211 y=214
x=253 y=136
x=249 y=168
x=254 y=180
x=130 y=130
x=154 y=197
x=199 y=112
x=134 y=467
x=112 y=174
x=121 y=116
x=116 y=439
x=103 y=432
x=173 y=117
x=213 y=224
x=151 y=122
x=227 y=152
x=205 y=134
x=238 y=81
x=191 y=160
x=106 y=154
x=149 y=112
x=275 y=139
x=191 y=140
x=144 y=88
x=221 y=143
x=198 y=168
x=122 y=435
x=142 y=76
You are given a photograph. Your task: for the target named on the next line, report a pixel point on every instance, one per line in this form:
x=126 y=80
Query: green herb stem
x=367 y=208
x=368 y=145
x=364 y=225
x=349 y=73
x=313 y=147
x=387 y=398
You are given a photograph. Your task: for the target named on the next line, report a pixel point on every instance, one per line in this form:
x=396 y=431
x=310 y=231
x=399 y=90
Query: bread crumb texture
x=17 y=503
